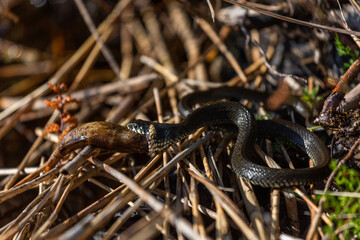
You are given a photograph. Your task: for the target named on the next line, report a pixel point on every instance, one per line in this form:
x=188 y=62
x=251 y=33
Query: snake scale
x=233 y=114
x=146 y=136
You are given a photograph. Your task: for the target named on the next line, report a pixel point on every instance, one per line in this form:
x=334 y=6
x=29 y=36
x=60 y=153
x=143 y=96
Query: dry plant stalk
x=167 y=49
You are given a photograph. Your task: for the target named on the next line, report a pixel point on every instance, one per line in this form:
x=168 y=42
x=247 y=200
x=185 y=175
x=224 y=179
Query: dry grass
x=167 y=49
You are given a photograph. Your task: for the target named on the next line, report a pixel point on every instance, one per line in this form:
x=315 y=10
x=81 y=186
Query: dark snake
x=232 y=114
x=150 y=137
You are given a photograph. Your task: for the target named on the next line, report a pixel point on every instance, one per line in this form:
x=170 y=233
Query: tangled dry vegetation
x=65 y=63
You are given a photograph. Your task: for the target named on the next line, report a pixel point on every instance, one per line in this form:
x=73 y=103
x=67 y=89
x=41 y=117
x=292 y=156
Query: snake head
x=145 y=128
x=141 y=127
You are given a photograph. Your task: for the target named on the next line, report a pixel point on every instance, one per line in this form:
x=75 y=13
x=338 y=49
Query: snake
x=150 y=137
x=230 y=115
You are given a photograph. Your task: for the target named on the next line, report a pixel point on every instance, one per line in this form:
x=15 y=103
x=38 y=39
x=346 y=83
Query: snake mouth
x=137 y=126
x=146 y=129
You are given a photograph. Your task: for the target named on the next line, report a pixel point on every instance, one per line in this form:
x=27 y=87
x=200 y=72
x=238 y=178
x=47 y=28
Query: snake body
x=147 y=137
x=236 y=94
x=233 y=114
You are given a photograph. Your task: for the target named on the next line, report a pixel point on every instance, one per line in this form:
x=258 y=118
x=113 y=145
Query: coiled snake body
x=230 y=114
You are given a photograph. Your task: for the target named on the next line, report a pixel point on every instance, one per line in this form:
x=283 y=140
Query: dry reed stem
x=182 y=190
x=275 y=211
x=156 y=37
x=10 y=171
x=171 y=91
x=344 y=23
x=205 y=211
x=293 y=20
x=140 y=36
x=254 y=34
x=89 y=62
x=122 y=87
x=103 y=48
x=312 y=205
x=267 y=64
x=41 y=90
x=274 y=201
x=78 y=161
x=146 y=228
x=143 y=106
x=221 y=225
x=198 y=221
x=58 y=229
x=182 y=26
x=159 y=68
x=179 y=223
x=11 y=121
x=125 y=105
x=51 y=219
x=122 y=219
x=272 y=163
x=68 y=65
x=115 y=205
x=25 y=160
x=125 y=198
x=252 y=207
x=222 y=47
x=160 y=118
x=231 y=209
x=290 y=200
x=105 y=215
x=12 y=192
x=34 y=207
x=79 y=182
x=126 y=49
x=35 y=68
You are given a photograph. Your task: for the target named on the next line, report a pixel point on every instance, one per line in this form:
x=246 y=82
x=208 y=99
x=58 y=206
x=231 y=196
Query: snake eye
x=139 y=126
x=134 y=127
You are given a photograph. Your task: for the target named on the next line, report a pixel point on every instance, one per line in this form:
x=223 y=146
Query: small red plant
x=65 y=117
